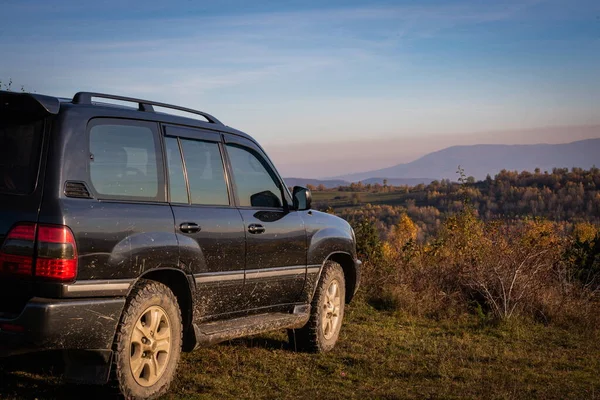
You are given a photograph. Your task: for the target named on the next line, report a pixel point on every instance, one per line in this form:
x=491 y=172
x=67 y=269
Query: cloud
x=216 y=51
x=314 y=73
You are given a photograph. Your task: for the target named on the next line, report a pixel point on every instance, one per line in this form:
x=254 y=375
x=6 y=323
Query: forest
x=519 y=244
x=561 y=195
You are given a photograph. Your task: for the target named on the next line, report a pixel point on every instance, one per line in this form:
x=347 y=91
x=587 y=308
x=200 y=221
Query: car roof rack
x=143 y=105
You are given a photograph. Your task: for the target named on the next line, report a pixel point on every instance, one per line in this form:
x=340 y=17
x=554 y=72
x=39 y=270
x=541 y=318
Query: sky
x=332 y=87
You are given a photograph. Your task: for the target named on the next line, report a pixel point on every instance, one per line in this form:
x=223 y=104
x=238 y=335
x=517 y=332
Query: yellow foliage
x=541 y=233
x=405 y=231
x=585 y=232
x=388 y=251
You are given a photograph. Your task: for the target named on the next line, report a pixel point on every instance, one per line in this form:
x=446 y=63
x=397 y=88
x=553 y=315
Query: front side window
x=254 y=181
x=123 y=161
x=206 y=177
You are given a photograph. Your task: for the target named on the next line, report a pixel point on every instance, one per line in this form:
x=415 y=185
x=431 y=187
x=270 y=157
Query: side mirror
x=302 y=198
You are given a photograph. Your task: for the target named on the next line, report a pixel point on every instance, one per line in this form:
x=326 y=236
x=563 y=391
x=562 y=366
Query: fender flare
x=349 y=267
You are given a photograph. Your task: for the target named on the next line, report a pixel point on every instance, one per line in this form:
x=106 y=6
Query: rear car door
x=275 y=235
x=123 y=227
x=209 y=228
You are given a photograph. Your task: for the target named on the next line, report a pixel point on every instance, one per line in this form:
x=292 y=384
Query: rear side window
x=205 y=173
x=19 y=155
x=124 y=161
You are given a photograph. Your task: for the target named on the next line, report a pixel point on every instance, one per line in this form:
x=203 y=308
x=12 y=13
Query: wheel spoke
x=153 y=369
x=143 y=329
x=155 y=320
x=163 y=331
x=137 y=365
x=336 y=302
x=163 y=345
x=332 y=290
x=324 y=319
x=328 y=327
x=137 y=334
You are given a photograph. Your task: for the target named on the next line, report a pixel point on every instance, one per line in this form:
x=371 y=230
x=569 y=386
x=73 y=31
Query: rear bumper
x=51 y=324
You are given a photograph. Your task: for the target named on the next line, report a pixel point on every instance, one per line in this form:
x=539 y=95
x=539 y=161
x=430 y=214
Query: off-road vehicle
x=128 y=235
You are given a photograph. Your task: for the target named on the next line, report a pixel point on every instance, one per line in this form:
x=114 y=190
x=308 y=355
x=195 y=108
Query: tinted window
x=204 y=167
x=177 y=186
x=123 y=161
x=254 y=181
x=19 y=156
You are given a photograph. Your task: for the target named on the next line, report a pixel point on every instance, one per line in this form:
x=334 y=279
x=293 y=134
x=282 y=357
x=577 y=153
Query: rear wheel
x=322 y=330
x=148 y=342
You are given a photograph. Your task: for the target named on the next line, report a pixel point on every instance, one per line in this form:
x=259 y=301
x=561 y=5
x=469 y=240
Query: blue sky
x=301 y=73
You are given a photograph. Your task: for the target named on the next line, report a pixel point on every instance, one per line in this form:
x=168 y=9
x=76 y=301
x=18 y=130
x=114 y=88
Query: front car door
x=209 y=228
x=275 y=234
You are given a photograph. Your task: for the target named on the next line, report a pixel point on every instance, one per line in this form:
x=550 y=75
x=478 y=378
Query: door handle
x=189 y=227
x=256 y=228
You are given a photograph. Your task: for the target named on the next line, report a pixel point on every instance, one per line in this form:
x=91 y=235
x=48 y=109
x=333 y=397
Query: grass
x=337 y=199
x=379 y=355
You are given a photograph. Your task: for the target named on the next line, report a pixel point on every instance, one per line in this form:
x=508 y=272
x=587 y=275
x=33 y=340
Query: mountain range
x=477 y=161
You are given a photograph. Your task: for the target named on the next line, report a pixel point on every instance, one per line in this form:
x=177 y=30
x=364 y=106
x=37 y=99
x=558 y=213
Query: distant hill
x=332 y=183
x=480 y=160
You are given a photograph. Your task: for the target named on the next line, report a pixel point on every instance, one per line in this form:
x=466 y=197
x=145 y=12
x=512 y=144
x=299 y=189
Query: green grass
x=338 y=200
x=344 y=199
x=379 y=355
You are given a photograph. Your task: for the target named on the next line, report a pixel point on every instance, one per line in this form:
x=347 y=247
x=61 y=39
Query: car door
x=209 y=228
x=275 y=235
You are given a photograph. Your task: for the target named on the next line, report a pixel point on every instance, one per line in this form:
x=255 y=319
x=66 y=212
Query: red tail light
x=56 y=256
x=12 y=328
x=16 y=256
x=56 y=253
x=22 y=232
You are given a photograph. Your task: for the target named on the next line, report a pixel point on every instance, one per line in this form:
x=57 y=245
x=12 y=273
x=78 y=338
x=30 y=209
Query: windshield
x=19 y=155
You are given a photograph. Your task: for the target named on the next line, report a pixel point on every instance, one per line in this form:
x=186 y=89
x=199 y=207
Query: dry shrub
x=406 y=280
x=504 y=269
x=515 y=268
x=581 y=261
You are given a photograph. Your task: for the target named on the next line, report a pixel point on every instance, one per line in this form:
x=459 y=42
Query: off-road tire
x=146 y=295
x=312 y=337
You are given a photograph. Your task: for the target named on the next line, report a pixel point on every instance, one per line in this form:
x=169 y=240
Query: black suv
x=128 y=235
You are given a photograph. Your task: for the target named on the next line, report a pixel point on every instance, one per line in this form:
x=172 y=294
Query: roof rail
x=143 y=105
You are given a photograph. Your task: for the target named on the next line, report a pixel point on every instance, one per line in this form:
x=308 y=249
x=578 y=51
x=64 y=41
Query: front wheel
x=148 y=342
x=322 y=330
